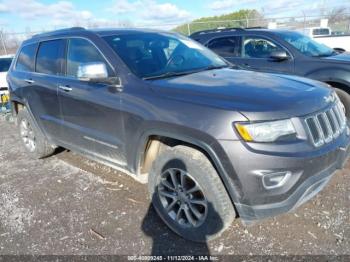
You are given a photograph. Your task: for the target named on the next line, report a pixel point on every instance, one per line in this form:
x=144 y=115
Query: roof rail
x=64 y=30
x=217 y=30
x=256 y=27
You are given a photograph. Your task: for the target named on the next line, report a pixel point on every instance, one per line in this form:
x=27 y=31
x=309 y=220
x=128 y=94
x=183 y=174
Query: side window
x=257 y=47
x=50 y=56
x=25 y=60
x=81 y=51
x=226 y=46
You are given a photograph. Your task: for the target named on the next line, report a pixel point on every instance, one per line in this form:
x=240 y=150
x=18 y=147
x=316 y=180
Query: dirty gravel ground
x=67 y=204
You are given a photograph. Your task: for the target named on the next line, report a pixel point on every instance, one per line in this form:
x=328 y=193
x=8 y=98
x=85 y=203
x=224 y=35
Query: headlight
x=265 y=131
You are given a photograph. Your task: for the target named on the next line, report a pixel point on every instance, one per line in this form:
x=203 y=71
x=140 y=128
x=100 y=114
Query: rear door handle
x=65 y=88
x=29 y=81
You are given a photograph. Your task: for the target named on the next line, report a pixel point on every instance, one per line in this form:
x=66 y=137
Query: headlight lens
x=265 y=131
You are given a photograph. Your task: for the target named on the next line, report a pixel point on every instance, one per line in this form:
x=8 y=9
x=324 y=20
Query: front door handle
x=29 y=81
x=65 y=88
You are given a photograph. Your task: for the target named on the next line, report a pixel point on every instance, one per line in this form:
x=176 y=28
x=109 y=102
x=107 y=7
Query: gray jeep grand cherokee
x=213 y=142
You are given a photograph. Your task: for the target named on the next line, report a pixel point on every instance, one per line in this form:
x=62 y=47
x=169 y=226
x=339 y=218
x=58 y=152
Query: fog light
x=277 y=179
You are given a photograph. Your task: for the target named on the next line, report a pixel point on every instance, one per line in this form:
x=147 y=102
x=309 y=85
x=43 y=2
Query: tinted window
x=321 y=31
x=81 y=51
x=157 y=54
x=25 y=61
x=225 y=46
x=50 y=56
x=5 y=64
x=256 y=47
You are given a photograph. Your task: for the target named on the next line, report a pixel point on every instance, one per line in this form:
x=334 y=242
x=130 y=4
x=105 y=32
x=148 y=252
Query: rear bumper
x=309 y=175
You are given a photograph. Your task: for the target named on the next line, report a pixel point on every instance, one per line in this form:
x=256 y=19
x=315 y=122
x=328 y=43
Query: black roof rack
x=64 y=30
x=218 y=30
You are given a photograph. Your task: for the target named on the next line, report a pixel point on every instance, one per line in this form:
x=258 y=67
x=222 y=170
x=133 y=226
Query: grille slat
x=326 y=126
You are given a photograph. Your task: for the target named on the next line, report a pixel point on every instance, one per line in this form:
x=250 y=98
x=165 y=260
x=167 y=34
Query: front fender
x=340 y=76
x=206 y=143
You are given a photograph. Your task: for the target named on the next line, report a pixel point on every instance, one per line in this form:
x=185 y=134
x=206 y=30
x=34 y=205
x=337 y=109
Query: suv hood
x=258 y=96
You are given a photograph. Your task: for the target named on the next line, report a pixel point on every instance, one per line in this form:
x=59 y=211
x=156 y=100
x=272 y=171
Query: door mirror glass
x=91 y=71
x=279 y=55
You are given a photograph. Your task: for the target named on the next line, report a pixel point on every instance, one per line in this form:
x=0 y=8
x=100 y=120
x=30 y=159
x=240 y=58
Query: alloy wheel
x=27 y=135
x=182 y=198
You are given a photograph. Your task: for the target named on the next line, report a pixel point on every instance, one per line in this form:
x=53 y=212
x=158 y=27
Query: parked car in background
x=282 y=51
x=324 y=35
x=5 y=62
x=212 y=142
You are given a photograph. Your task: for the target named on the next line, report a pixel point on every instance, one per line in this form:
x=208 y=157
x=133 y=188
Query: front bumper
x=310 y=174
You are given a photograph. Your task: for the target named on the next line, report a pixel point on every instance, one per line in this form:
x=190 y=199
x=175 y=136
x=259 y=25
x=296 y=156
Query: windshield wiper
x=212 y=67
x=171 y=73
x=167 y=74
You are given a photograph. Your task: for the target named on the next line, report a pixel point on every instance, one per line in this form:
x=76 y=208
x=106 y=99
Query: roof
x=207 y=34
x=99 y=31
x=225 y=30
x=82 y=31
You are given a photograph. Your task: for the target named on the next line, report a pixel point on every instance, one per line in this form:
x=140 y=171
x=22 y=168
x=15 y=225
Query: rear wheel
x=188 y=194
x=34 y=141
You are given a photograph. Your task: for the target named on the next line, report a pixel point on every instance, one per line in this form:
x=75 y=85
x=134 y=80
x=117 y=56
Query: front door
x=92 y=121
x=256 y=55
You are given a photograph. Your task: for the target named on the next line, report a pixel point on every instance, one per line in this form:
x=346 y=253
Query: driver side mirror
x=279 y=56
x=339 y=50
x=92 y=71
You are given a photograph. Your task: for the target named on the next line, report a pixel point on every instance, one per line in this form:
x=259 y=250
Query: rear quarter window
x=25 y=60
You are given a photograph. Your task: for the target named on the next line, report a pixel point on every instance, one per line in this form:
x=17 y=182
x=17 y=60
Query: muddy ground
x=67 y=204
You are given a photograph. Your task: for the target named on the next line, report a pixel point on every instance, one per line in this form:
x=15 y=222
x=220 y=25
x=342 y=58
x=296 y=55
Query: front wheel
x=188 y=194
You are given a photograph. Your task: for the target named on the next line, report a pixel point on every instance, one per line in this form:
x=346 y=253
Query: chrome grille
x=325 y=126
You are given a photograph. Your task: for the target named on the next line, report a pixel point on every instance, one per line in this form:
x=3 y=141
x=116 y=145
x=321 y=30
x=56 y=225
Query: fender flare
x=327 y=75
x=211 y=149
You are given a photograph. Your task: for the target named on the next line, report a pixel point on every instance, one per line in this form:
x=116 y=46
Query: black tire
x=345 y=98
x=41 y=146
x=219 y=212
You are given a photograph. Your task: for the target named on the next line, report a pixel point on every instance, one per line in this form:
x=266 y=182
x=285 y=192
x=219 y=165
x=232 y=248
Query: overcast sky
x=21 y=15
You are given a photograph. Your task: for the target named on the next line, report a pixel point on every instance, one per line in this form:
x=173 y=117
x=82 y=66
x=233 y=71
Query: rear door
x=92 y=121
x=229 y=47
x=41 y=96
x=256 y=52
x=21 y=71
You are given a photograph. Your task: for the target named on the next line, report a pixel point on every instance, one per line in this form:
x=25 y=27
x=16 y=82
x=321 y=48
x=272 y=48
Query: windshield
x=149 y=55
x=306 y=45
x=5 y=64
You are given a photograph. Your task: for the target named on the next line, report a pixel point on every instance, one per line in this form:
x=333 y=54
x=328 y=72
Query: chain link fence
x=10 y=41
x=338 y=25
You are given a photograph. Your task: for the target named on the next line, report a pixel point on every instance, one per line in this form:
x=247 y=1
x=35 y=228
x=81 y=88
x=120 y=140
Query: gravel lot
x=67 y=204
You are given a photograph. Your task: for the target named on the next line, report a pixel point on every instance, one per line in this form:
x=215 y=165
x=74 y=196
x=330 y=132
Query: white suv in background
x=5 y=62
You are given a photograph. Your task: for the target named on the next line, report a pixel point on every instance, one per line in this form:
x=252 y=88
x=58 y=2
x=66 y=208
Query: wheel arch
x=337 y=78
x=340 y=85
x=210 y=148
